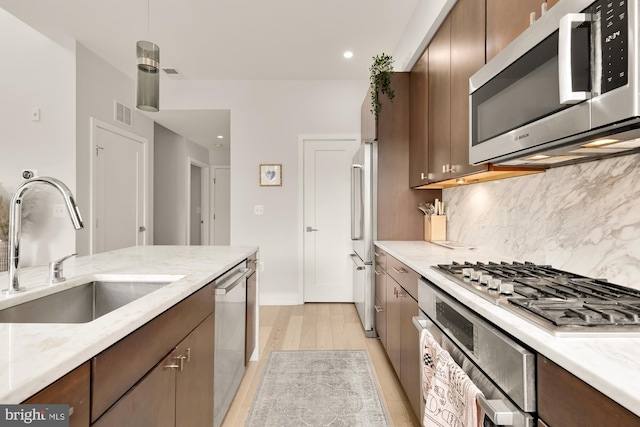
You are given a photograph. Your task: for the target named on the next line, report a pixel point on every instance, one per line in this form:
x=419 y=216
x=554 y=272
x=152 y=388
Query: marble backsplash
x=581 y=218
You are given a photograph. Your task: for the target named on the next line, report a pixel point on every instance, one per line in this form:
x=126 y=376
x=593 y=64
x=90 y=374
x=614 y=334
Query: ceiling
x=227 y=39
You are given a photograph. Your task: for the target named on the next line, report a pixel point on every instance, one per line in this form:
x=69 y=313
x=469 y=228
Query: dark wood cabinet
x=252 y=301
x=566 y=401
x=440 y=102
x=74 y=390
x=410 y=377
x=455 y=54
x=194 y=378
x=506 y=20
x=419 y=120
x=178 y=391
x=467 y=57
x=399 y=336
x=398 y=214
x=151 y=402
x=381 y=304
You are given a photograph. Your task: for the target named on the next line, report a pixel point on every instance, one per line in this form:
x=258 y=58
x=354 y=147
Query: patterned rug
x=317 y=388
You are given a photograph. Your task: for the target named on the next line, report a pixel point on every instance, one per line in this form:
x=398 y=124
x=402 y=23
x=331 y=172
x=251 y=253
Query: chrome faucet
x=15 y=223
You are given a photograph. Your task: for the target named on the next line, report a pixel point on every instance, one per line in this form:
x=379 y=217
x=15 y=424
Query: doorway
x=326 y=269
x=221 y=205
x=197 y=202
x=119 y=188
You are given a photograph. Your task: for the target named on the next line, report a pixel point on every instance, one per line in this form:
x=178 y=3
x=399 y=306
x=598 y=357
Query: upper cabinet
x=455 y=54
x=397 y=210
x=419 y=119
x=507 y=19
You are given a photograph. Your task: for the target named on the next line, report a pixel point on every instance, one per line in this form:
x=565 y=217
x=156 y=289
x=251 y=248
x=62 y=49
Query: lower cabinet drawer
x=405 y=276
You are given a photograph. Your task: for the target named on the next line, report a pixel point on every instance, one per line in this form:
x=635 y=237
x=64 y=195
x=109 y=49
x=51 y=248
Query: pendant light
x=148 y=73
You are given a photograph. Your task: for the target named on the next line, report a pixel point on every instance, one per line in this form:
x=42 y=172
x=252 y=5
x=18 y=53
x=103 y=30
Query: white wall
x=37 y=73
x=220 y=157
x=581 y=218
x=170 y=201
x=266 y=119
x=98 y=84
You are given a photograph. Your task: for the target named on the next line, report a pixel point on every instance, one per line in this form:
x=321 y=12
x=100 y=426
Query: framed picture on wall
x=271 y=175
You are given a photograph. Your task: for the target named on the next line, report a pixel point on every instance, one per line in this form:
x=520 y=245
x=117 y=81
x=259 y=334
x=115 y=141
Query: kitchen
x=483 y=199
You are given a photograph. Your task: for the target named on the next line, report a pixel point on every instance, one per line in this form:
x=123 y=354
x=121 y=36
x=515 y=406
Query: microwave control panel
x=612 y=16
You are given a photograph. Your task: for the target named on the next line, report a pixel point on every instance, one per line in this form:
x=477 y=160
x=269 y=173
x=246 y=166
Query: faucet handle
x=55 y=269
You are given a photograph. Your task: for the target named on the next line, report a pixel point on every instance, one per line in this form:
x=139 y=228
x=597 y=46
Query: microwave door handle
x=355 y=235
x=565 y=73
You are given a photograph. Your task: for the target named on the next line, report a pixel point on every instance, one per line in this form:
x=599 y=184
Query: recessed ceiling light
x=220 y=137
x=348 y=54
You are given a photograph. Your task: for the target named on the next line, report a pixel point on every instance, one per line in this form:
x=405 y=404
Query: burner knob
x=494 y=284
x=475 y=275
x=466 y=272
x=485 y=279
x=506 y=288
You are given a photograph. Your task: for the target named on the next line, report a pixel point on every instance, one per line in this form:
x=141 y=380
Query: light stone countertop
x=35 y=355
x=609 y=364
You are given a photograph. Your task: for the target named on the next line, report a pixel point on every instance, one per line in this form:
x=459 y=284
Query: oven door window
x=528 y=90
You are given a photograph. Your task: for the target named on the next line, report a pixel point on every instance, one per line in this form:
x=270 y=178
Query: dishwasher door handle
x=232 y=283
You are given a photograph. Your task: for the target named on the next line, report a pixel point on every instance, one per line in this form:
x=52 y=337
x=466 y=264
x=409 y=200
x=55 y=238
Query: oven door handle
x=496 y=411
x=419 y=323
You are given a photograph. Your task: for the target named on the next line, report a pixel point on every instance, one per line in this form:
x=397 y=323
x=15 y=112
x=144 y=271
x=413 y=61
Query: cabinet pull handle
x=399 y=270
x=188 y=352
x=376 y=254
x=172 y=366
x=181 y=359
x=378 y=309
x=378 y=273
x=70 y=410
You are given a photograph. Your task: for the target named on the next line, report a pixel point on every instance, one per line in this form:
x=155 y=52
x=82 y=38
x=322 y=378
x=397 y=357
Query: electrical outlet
x=258 y=209
x=29 y=173
x=58 y=210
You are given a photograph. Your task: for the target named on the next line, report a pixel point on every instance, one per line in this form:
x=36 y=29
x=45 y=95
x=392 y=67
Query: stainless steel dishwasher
x=230 y=308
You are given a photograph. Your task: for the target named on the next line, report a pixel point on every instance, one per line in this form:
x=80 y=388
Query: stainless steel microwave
x=565 y=91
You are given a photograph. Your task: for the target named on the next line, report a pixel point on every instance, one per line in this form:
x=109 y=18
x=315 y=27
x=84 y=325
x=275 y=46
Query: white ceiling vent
x=121 y=113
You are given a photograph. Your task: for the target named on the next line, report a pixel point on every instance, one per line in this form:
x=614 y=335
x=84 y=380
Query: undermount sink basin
x=82 y=303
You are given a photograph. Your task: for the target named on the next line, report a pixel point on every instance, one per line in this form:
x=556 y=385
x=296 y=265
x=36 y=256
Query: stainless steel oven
x=565 y=91
x=499 y=366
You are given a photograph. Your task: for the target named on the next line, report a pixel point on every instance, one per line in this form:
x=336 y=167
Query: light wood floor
x=319 y=327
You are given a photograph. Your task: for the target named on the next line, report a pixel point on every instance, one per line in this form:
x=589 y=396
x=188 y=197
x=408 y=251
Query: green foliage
x=380 y=78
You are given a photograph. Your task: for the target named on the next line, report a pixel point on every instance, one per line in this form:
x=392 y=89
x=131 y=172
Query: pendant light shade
x=148 y=76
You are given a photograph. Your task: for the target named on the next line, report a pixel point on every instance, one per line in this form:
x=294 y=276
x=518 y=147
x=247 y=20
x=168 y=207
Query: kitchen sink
x=82 y=303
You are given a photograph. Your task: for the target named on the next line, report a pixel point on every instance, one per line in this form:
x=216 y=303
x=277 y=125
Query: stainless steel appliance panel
x=230 y=314
x=363 y=235
x=507 y=363
x=569 y=79
x=499 y=409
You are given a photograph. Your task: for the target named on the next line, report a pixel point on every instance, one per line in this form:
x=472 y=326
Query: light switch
x=258 y=209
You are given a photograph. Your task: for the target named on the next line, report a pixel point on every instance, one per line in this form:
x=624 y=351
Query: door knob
x=310 y=229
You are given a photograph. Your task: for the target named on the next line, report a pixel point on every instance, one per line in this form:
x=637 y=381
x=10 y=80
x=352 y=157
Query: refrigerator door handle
x=353 y=258
x=355 y=235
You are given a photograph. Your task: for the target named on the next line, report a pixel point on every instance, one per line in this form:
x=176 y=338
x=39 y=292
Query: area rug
x=317 y=388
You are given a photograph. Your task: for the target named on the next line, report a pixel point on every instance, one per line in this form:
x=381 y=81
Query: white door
x=119 y=190
x=327 y=242
x=222 y=206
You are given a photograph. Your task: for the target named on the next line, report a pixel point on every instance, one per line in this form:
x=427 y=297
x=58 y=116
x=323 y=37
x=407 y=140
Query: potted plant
x=380 y=78
x=5 y=198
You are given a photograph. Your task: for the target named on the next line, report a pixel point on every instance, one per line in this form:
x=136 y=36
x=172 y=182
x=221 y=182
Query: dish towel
x=450 y=395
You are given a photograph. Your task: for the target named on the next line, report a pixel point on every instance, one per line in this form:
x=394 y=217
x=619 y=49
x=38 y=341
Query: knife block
x=435 y=228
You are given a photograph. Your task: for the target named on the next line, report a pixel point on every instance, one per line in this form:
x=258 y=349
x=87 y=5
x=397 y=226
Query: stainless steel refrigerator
x=363 y=232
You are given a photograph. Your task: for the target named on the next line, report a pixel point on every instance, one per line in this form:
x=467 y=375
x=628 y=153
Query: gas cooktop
x=559 y=301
